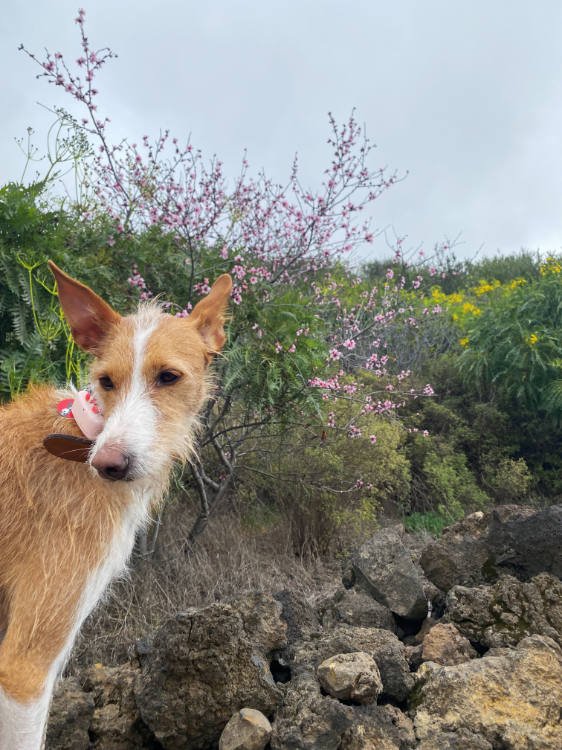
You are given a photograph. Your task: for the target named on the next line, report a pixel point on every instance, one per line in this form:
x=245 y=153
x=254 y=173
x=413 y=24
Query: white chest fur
x=23 y=726
x=113 y=564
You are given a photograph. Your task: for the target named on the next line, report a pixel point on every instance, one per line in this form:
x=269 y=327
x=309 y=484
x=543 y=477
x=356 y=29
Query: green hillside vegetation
x=490 y=433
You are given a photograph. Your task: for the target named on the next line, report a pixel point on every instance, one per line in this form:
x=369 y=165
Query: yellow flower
x=463 y=341
x=468 y=307
x=551 y=265
x=516 y=282
x=455 y=298
x=486 y=286
x=482 y=288
x=532 y=339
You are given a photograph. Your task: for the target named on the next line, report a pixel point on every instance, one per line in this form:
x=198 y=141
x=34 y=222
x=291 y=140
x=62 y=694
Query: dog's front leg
x=23 y=724
x=37 y=640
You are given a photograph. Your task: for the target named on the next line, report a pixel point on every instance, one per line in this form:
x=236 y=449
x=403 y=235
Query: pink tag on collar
x=85 y=412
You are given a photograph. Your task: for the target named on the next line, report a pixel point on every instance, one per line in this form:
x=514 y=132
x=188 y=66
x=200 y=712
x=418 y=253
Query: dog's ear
x=208 y=315
x=89 y=317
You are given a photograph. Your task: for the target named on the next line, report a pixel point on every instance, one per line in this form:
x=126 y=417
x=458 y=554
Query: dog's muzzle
x=112 y=463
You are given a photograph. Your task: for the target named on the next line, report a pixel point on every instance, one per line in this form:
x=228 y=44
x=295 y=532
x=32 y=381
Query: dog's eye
x=167 y=377
x=106 y=383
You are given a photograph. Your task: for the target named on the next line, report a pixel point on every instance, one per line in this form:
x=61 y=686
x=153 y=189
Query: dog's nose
x=111 y=463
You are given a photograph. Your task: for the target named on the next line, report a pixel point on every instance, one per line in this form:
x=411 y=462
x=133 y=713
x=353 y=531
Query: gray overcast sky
x=466 y=96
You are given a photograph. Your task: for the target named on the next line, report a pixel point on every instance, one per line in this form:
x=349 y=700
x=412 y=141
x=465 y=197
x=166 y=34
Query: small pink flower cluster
x=268 y=235
x=136 y=281
x=277 y=233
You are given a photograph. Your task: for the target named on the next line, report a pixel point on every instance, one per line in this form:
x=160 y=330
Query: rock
x=69 y=720
x=379 y=728
x=508 y=699
x=502 y=614
x=463 y=739
x=527 y=544
x=308 y=720
x=459 y=555
x=385 y=648
x=348 y=577
x=417 y=638
x=390 y=656
x=384 y=567
x=355 y=607
x=116 y=723
x=247 y=729
x=298 y=614
x=514 y=540
x=414 y=656
x=416 y=542
x=445 y=645
x=206 y=663
x=353 y=676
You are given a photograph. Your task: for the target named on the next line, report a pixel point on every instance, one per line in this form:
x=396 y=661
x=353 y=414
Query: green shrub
x=514 y=348
x=308 y=481
x=432 y=522
x=34 y=340
x=504 y=268
x=452 y=486
x=488 y=437
x=509 y=481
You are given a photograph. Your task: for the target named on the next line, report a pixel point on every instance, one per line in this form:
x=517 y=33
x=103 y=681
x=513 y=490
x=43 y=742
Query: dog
x=67 y=527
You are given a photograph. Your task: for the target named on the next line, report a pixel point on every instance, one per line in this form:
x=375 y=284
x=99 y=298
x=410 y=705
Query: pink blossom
x=280 y=233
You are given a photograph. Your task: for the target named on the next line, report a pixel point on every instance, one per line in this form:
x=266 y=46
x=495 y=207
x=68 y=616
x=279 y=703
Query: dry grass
x=229 y=559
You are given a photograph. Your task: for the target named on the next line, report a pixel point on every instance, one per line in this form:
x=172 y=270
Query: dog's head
x=149 y=375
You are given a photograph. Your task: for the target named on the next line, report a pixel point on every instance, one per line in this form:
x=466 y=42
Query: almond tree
x=294 y=343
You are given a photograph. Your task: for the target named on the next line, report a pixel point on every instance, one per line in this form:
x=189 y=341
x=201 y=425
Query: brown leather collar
x=69 y=447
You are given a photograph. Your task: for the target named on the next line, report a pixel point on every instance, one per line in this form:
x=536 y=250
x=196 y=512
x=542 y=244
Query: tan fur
x=174 y=346
x=57 y=517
